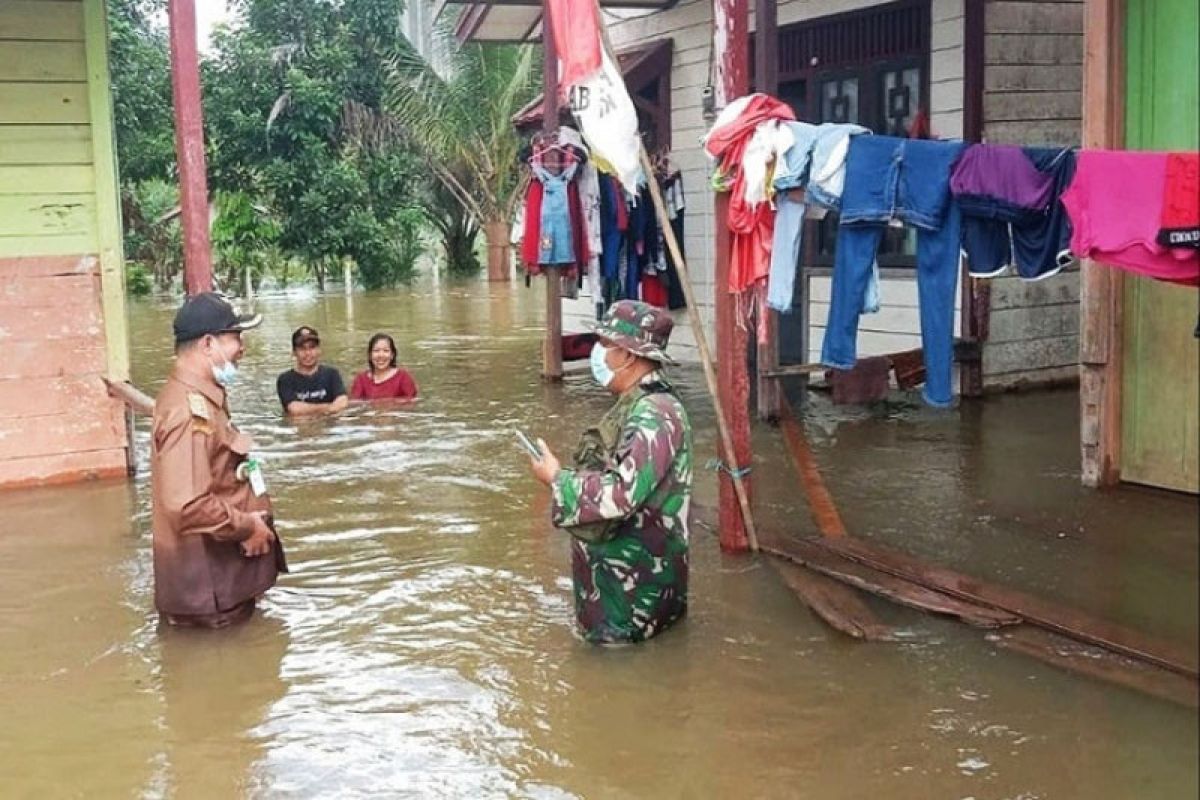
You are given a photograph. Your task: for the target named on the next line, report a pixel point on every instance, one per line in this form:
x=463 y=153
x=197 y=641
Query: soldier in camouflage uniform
x=625 y=501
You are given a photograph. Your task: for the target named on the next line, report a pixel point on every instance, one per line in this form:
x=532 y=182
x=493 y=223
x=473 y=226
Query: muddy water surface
x=423 y=644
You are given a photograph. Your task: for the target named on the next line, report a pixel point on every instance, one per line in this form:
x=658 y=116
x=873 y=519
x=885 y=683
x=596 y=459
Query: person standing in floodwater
x=310 y=388
x=215 y=549
x=625 y=502
x=382 y=379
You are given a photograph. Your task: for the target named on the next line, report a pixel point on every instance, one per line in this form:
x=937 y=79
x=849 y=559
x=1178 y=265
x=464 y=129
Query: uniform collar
x=202 y=382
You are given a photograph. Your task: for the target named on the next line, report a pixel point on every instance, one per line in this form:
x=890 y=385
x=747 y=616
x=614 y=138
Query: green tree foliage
x=276 y=89
x=141 y=88
x=462 y=125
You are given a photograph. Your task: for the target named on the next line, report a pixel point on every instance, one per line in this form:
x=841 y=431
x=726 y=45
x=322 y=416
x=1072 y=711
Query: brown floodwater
x=423 y=645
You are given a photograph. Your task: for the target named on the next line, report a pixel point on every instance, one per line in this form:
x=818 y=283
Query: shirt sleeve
x=645 y=453
x=184 y=477
x=358 y=390
x=408 y=386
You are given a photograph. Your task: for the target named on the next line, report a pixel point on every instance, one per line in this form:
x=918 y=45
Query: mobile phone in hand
x=527 y=443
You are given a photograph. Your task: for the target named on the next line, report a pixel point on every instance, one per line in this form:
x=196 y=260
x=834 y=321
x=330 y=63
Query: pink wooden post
x=189 y=147
x=731 y=30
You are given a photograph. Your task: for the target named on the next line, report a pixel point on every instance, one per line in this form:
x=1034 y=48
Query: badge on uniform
x=200 y=418
x=251 y=470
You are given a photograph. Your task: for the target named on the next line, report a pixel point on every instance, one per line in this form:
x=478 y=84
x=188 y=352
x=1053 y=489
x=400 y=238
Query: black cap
x=304 y=334
x=210 y=313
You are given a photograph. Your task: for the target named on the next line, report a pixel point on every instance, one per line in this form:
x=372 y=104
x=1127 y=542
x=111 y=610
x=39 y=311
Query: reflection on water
x=422 y=645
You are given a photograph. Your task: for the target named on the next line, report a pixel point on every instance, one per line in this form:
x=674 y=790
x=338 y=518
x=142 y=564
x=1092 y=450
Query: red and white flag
x=596 y=89
x=576 y=32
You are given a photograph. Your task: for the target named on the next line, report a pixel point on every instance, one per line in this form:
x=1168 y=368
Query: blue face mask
x=226 y=374
x=600 y=369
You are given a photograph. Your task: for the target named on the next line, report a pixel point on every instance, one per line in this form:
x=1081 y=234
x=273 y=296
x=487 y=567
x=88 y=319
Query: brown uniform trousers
x=202 y=510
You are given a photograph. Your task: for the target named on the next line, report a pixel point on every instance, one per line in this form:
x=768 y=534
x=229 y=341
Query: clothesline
x=1031 y=210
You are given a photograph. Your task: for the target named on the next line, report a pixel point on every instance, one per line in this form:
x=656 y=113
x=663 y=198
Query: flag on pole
x=596 y=90
x=576 y=32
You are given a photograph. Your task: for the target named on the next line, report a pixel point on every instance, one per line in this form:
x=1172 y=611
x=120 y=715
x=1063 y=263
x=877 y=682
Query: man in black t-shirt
x=310 y=387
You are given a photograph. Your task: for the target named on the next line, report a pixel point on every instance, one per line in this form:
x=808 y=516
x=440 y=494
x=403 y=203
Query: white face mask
x=599 y=363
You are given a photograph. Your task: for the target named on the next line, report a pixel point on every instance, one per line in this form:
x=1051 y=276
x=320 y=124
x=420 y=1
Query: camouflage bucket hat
x=637 y=327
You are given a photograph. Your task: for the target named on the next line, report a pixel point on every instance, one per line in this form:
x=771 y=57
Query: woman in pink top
x=383 y=380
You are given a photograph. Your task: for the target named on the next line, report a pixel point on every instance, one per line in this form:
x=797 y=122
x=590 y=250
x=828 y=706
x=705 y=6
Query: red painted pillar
x=189 y=147
x=731 y=31
x=552 y=347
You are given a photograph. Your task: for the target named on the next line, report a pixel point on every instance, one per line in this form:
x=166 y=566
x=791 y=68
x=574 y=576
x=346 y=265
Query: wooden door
x=1161 y=361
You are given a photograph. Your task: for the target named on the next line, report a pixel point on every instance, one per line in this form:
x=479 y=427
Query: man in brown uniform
x=215 y=549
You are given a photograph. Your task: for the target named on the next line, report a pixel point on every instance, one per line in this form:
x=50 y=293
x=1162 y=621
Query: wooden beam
x=552 y=369
x=189 y=147
x=766 y=79
x=731 y=26
x=1054 y=617
x=1101 y=288
x=975 y=294
x=107 y=190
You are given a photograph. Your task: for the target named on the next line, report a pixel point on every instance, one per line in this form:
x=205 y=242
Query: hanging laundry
x=816 y=150
x=555 y=239
x=532 y=216
x=1180 y=226
x=1116 y=208
x=589 y=199
x=906 y=180
x=576 y=32
x=1012 y=214
x=750 y=222
x=673 y=198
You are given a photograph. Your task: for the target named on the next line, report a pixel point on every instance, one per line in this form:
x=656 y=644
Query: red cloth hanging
x=653 y=291
x=752 y=227
x=533 y=227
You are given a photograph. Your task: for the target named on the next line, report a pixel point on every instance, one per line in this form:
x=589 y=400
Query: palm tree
x=462 y=124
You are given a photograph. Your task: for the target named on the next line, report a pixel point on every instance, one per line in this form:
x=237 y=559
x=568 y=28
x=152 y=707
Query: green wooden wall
x=1161 y=367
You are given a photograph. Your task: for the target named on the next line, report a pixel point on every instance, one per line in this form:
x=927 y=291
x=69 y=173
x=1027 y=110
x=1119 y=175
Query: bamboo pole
x=710 y=374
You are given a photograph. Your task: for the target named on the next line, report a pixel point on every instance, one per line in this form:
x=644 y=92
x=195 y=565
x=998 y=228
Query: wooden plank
x=26 y=20
x=1035 y=133
x=96 y=424
x=47 y=179
x=836 y=604
x=42 y=61
x=41 y=103
x=1033 y=48
x=47 y=266
x=39 y=397
x=47 y=245
x=887 y=586
x=820 y=501
x=47 y=214
x=1061 y=652
x=18 y=293
x=18 y=473
x=41 y=324
x=45 y=144
x=1030 y=17
x=1008 y=106
x=1101 y=301
x=1011 y=292
x=28 y=360
x=1060 y=619
x=108 y=202
x=1024 y=77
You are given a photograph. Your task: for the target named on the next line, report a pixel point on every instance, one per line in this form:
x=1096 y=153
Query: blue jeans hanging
x=889 y=178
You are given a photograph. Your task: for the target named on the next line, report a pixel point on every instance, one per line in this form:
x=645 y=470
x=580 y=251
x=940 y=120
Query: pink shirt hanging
x=1116 y=207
